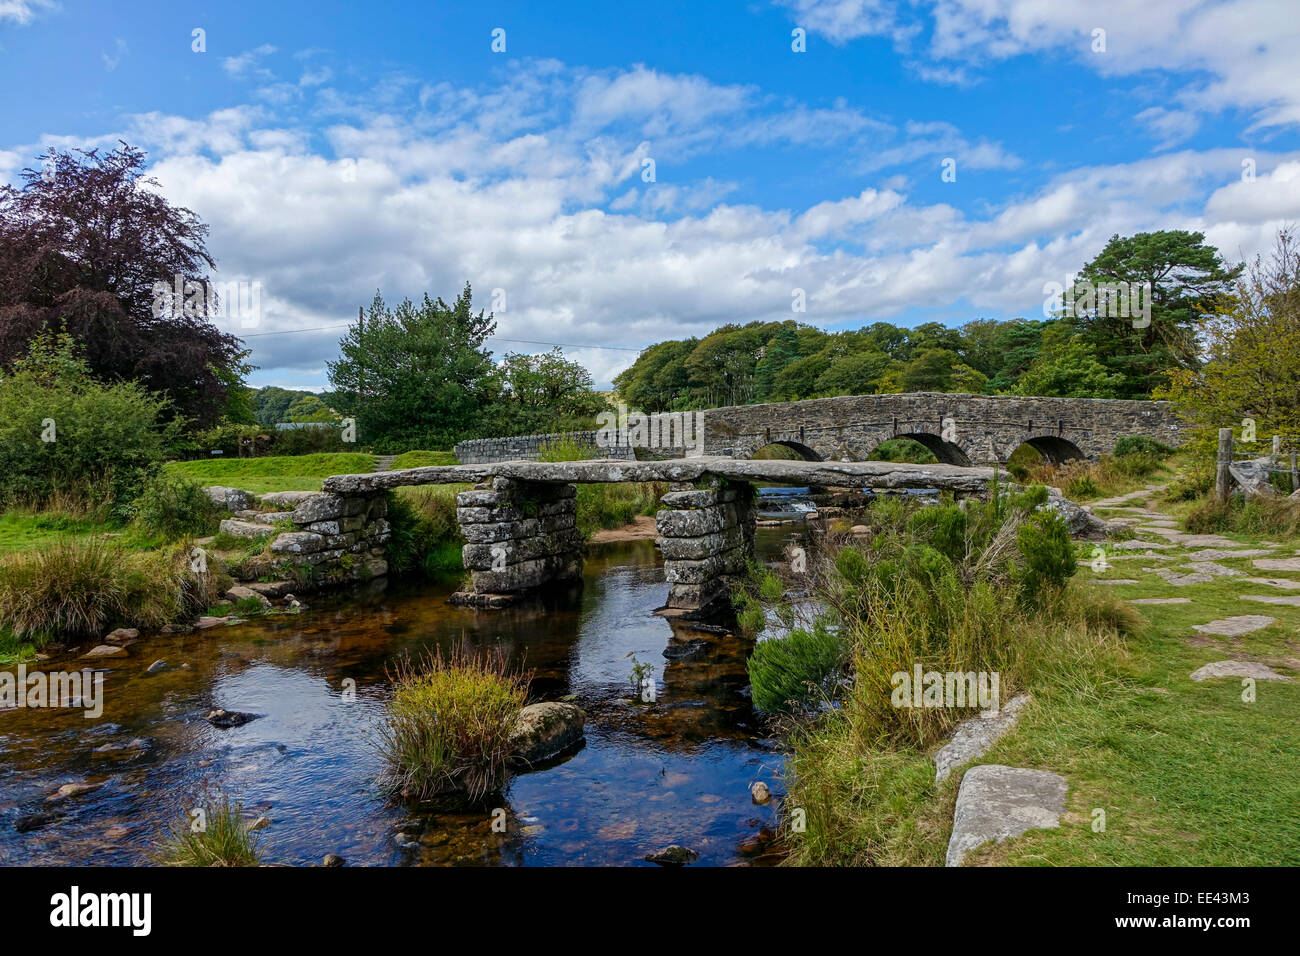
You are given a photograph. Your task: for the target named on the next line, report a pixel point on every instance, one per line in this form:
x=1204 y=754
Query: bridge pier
x=519 y=535
x=706 y=535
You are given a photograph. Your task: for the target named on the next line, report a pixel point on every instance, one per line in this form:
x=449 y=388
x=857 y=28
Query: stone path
x=1277 y=564
x=1161 y=601
x=996 y=803
x=1286 y=584
x=384 y=463
x=1291 y=600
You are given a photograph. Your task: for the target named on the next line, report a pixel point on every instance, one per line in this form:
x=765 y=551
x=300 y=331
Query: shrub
x=448 y=723
x=62 y=433
x=1082 y=486
x=78 y=588
x=173 y=507
x=224 y=839
x=1044 y=543
x=788 y=673
x=1137 y=445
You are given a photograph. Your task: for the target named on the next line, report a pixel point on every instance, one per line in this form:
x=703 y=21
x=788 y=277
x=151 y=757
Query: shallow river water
x=676 y=770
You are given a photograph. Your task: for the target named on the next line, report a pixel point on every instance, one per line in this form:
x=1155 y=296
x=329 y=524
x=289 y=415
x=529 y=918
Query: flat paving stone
x=1216 y=554
x=1277 y=564
x=1290 y=600
x=1212 y=568
x=1160 y=601
x=1237 y=669
x=1132 y=544
x=1115 y=581
x=1179 y=580
x=1286 y=584
x=1236 y=626
x=974 y=736
x=996 y=803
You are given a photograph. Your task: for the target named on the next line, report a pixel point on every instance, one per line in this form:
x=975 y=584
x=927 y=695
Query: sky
x=606 y=176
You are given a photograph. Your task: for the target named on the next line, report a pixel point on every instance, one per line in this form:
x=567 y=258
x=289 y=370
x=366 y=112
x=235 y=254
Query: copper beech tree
x=83 y=240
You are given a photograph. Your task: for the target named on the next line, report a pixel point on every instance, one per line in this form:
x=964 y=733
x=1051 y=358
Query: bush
x=447 y=725
x=65 y=435
x=224 y=840
x=79 y=588
x=1044 y=543
x=789 y=673
x=172 y=507
x=1137 y=445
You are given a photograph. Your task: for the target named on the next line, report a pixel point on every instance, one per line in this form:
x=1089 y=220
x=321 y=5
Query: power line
x=497 y=338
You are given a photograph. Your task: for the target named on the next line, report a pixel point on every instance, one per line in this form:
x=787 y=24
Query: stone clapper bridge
x=520 y=526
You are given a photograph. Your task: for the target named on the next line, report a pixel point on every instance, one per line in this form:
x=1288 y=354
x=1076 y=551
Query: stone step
x=996 y=803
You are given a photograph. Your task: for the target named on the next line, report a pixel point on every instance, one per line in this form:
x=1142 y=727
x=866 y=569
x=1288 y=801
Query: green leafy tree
x=1188 y=280
x=544 y=393
x=1068 y=367
x=418 y=375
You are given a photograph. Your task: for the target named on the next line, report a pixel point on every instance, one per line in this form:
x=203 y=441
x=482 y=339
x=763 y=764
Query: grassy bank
x=273 y=473
x=1186 y=773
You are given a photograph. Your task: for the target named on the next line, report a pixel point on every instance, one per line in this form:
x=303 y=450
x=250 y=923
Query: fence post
x=1222 y=476
x=1277 y=448
x=1295 y=473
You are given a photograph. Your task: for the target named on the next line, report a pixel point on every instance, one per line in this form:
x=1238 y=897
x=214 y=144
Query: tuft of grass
x=447 y=725
x=789 y=673
x=223 y=839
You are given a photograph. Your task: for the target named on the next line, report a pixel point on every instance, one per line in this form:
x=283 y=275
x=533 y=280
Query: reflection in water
x=676 y=770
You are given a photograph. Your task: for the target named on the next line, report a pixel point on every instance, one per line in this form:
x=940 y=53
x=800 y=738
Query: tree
x=416 y=376
x=1188 y=279
x=544 y=393
x=1067 y=367
x=1252 y=367
x=309 y=408
x=82 y=244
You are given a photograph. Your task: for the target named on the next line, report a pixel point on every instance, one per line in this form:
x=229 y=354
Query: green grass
x=273 y=473
x=423 y=459
x=21 y=530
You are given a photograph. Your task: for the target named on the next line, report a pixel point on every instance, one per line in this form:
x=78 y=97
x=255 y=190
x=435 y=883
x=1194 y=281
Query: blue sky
x=340 y=148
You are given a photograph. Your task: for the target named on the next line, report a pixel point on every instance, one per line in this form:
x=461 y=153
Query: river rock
x=72 y=790
x=121 y=636
x=207 y=621
x=672 y=856
x=34 y=821
x=760 y=793
x=1078 y=520
x=104 y=650
x=241 y=593
x=157 y=666
x=229 y=718
x=332 y=859
x=232 y=499
x=996 y=803
x=545 y=730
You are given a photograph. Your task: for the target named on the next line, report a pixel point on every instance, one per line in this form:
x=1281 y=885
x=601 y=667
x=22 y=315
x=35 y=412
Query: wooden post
x=1295 y=473
x=1277 y=448
x=1222 y=476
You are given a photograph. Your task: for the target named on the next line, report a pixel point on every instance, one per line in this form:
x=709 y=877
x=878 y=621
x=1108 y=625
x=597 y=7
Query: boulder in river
x=545 y=730
x=229 y=718
x=672 y=856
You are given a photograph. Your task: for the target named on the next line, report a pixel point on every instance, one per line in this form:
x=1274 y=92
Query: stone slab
x=1236 y=626
x=996 y=803
x=1288 y=600
x=1161 y=601
x=1237 y=669
x=973 y=737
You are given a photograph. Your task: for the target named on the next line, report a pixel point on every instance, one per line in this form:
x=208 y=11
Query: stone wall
x=339 y=538
x=482 y=451
x=706 y=536
x=519 y=535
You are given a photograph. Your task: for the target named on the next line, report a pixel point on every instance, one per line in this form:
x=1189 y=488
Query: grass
x=24 y=530
x=448 y=723
x=423 y=459
x=223 y=840
x=273 y=473
x=1085 y=481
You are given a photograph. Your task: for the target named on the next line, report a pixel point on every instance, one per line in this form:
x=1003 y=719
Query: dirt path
x=642 y=528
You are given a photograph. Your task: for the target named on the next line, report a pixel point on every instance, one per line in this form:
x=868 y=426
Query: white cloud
x=23 y=12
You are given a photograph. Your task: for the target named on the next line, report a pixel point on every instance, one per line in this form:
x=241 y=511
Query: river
x=676 y=770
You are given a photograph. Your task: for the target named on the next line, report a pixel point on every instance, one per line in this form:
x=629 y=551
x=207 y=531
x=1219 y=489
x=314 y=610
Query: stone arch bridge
x=519 y=519
x=958 y=429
